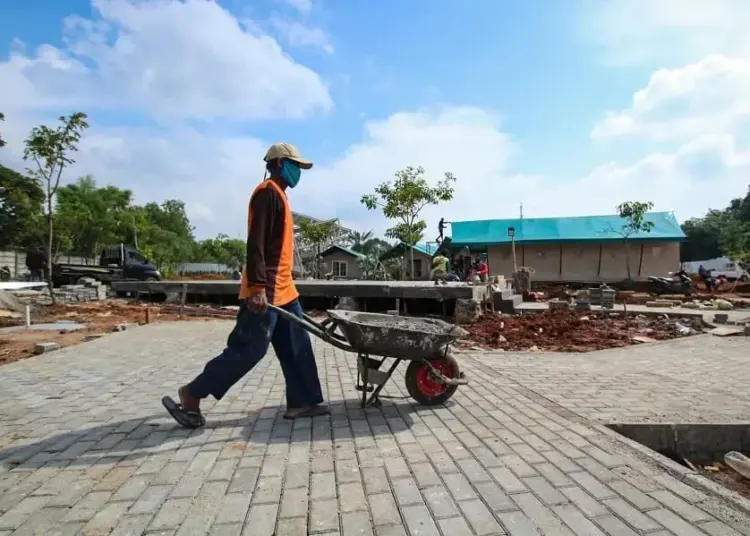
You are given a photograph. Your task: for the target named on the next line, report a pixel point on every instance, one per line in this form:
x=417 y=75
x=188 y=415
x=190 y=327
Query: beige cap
x=288 y=151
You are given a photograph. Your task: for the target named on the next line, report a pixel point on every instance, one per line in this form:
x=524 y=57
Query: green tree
x=403 y=200
x=50 y=149
x=93 y=217
x=634 y=214
x=315 y=235
x=164 y=233
x=359 y=240
x=21 y=210
x=222 y=250
x=719 y=232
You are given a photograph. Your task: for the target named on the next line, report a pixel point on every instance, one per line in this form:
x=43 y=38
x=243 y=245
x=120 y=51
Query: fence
x=16 y=261
x=203 y=268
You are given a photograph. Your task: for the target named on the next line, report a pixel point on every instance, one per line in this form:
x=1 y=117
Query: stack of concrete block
x=603 y=296
x=88 y=290
x=558 y=304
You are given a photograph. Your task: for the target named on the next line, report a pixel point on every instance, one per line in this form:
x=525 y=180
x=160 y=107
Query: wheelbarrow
x=433 y=374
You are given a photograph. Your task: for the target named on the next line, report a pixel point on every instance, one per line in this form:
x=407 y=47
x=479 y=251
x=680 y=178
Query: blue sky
x=527 y=102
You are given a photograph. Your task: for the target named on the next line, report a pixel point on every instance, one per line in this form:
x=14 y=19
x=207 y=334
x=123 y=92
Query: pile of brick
x=87 y=290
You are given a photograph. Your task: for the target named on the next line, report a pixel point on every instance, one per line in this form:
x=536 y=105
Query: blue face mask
x=290 y=172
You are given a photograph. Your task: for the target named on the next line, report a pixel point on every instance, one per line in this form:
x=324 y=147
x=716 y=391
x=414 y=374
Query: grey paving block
x=480 y=518
x=356 y=524
x=261 y=520
x=383 y=509
x=455 y=526
x=419 y=521
x=352 y=497
x=324 y=515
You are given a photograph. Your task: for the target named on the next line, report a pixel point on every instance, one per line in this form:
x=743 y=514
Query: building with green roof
x=342 y=262
x=423 y=254
x=580 y=249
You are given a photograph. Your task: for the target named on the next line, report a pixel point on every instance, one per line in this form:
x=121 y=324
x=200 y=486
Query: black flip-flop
x=314 y=411
x=186 y=418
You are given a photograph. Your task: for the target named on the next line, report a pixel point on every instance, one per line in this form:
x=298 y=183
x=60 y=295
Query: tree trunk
x=317 y=261
x=50 y=237
x=411 y=259
x=627 y=259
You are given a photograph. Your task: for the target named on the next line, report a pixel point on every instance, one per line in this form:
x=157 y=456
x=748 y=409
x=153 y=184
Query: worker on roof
x=267 y=278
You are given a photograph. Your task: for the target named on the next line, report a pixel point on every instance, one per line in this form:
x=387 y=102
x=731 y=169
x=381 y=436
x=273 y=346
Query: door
x=133 y=264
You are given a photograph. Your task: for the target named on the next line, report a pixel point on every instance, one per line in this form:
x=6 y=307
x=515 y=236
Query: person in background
x=484 y=269
x=36 y=262
x=439 y=267
x=705 y=276
x=267 y=279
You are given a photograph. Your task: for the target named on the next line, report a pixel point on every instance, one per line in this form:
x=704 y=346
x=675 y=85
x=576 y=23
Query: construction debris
x=569 y=331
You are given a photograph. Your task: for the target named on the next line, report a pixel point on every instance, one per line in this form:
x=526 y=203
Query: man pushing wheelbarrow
x=267 y=279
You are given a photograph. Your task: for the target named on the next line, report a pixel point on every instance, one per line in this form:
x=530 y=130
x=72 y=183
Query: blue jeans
x=246 y=346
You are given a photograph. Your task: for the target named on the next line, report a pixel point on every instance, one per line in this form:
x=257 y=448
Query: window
x=340 y=268
x=135 y=258
x=417 y=268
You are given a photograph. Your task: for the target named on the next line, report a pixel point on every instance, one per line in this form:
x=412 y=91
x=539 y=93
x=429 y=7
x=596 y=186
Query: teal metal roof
x=579 y=228
x=334 y=249
x=401 y=248
x=426 y=249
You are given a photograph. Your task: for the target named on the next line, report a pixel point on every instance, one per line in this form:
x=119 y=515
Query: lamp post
x=512 y=235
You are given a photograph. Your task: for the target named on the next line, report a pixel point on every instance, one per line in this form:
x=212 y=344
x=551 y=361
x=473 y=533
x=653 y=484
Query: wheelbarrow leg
x=375 y=399
x=365 y=368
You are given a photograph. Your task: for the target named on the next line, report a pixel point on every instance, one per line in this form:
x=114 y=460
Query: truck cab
x=133 y=263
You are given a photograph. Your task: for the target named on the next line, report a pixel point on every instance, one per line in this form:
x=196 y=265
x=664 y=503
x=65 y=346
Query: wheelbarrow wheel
x=424 y=387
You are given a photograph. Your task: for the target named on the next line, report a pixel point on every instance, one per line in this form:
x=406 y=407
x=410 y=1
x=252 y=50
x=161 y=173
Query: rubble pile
x=563 y=330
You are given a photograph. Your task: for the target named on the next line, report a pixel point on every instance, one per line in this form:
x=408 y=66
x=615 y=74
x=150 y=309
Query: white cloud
x=704 y=173
x=303 y=6
x=709 y=96
x=215 y=175
x=172 y=58
x=633 y=31
x=297 y=34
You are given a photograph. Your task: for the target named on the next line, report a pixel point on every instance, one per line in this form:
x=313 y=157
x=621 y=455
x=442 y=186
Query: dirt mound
x=566 y=331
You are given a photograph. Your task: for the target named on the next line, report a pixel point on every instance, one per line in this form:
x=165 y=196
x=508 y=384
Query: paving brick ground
x=703 y=379
x=85 y=448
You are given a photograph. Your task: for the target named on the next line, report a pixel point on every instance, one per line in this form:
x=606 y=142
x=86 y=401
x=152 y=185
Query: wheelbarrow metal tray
x=395 y=336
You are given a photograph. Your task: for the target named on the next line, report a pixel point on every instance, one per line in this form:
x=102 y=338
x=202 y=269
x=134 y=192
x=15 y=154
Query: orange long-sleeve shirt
x=270 y=245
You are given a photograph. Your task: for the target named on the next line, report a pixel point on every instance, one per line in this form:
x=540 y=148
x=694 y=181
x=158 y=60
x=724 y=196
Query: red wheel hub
x=430 y=385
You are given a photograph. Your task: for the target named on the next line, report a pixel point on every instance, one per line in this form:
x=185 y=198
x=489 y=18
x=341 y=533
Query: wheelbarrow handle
x=309 y=325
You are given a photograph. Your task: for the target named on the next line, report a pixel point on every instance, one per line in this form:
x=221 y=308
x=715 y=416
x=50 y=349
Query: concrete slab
x=499 y=458
x=726 y=331
x=52 y=326
x=736 y=315
x=316 y=289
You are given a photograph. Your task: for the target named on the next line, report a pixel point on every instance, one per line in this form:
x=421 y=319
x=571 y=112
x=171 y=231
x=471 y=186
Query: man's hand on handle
x=258 y=302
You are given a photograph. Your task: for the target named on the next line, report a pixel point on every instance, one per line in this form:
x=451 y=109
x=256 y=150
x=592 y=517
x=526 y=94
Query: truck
x=723 y=267
x=116 y=263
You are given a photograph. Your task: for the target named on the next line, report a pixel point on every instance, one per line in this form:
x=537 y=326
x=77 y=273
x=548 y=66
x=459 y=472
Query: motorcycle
x=676 y=283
